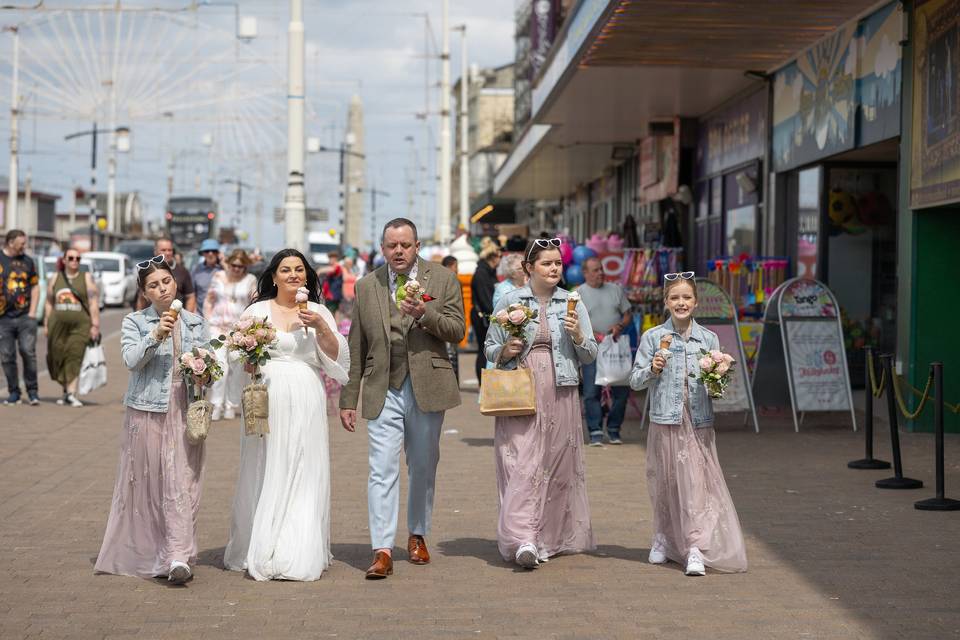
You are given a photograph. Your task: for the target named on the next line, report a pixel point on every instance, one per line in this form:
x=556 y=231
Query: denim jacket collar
x=696 y=331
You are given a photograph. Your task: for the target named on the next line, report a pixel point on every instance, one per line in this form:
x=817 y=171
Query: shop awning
x=618 y=65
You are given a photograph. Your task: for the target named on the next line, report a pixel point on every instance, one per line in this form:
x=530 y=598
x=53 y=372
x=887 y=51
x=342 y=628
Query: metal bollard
x=897 y=481
x=939 y=503
x=869 y=462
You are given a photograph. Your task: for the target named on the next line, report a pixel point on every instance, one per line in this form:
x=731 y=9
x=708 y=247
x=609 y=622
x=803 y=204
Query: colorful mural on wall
x=842 y=93
x=935 y=175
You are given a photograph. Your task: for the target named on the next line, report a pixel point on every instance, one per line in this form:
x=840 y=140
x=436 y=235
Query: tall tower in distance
x=355 y=177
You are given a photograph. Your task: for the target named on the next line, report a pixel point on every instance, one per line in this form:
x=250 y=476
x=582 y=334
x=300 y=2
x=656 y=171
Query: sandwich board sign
x=716 y=312
x=803 y=337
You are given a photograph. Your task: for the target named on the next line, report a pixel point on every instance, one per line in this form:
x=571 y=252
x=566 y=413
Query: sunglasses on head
x=686 y=275
x=544 y=243
x=158 y=260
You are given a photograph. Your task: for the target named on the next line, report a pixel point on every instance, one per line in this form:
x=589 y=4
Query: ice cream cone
x=665 y=341
x=302 y=306
x=572 y=301
x=174 y=309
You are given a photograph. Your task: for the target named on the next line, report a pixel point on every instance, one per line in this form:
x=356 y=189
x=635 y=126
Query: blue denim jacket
x=567 y=356
x=666 y=389
x=150 y=361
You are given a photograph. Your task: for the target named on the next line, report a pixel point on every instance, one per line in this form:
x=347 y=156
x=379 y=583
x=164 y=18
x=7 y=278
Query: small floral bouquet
x=250 y=339
x=513 y=319
x=716 y=368
x=200 y=369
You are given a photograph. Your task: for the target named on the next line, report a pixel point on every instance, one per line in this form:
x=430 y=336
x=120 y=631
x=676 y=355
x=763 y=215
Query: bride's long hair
x=266 y=290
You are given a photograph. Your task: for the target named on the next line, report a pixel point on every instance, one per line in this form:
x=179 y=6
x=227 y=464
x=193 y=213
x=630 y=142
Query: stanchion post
x=939 y=503
x=869 y=462
x=897 y=481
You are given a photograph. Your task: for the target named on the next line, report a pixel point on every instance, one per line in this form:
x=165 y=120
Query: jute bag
x=507 y=392
x=256 y=409
x=198 y=421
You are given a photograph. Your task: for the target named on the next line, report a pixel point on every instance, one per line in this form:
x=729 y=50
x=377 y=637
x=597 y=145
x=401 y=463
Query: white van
x=116 y=276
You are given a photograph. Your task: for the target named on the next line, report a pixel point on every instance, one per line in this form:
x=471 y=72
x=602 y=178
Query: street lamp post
x=124 y=131
x=443 y=229
x=464 y=152
x=13 y=193
x=294 y=204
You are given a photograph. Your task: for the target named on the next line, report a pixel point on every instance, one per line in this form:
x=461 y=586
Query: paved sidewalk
x=830 y=556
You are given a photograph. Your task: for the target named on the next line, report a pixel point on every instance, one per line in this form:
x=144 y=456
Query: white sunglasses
x=686 y=275
x=543 y=243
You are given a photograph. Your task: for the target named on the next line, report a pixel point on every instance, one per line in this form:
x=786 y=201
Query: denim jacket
x=567 y=356
x=666 y=389
x=149 y=361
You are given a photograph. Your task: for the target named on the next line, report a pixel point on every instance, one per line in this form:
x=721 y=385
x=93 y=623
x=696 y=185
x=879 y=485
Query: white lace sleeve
x=336 y=369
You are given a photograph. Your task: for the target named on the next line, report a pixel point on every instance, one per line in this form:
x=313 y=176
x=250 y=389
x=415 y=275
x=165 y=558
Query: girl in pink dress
x=541 y=476
x=694 y=519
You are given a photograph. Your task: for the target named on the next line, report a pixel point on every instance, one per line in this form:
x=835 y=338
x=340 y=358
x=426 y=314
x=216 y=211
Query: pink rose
x=204 y=353
x=717 y=356
x=244 y=324
x=517 y=316
x=503 y=317
x=271 y=335
x=186 y=359
x=237 y=338
x=260 y=333
x=728 y=358
x=723 y=367
x=706 y=363
x=198 y=366
x=249 y=343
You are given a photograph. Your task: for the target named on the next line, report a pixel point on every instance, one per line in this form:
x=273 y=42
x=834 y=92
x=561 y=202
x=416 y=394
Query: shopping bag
x=93 y=370
x=507 y=392
x=614 y=362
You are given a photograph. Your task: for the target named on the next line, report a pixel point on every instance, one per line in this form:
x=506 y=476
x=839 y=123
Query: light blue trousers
x=401 y=424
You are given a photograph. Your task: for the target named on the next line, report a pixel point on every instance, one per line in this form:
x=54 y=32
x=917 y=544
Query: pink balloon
x=566 y=253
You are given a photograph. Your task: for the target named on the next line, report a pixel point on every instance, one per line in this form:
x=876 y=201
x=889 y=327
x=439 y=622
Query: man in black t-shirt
x=18 y=317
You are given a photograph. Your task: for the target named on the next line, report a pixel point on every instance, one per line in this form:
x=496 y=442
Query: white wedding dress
x=280 y=527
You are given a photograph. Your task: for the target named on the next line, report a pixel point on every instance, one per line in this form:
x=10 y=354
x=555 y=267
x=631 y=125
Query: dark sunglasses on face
x=72 y=258
x=146 y=263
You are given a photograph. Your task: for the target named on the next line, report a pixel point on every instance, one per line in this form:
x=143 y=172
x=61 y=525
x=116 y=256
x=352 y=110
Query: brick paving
x=830 y=556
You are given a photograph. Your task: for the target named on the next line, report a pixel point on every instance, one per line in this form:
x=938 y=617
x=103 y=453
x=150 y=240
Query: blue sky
x=184 y=77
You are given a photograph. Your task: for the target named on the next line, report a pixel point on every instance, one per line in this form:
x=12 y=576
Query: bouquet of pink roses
x=200 y=369
x=716 y=368
x=250 y=339
x=513 y=319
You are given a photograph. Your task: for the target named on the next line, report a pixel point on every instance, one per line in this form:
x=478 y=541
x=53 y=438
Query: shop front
x=835 y=149
x=933 y=184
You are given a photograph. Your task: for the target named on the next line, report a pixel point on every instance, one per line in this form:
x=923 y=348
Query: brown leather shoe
x=382 y=566
x=417 y=548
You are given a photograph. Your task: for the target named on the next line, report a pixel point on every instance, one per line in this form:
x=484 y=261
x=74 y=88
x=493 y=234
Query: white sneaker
x=179 y=572
x=217 y=413
x=229 y=413
x=658 y=550
x=527 y=556
x=695 y=563
x=72 y=400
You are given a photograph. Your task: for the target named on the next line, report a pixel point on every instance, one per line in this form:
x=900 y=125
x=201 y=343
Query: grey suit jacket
x=434 y=383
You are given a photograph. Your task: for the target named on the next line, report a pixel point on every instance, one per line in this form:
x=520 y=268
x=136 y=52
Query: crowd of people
x=397 y=365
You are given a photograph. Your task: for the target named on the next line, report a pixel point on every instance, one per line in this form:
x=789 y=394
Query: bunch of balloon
x=573 y=264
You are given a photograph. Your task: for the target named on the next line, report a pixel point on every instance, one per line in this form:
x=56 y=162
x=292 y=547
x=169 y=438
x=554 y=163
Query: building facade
x=824 y=148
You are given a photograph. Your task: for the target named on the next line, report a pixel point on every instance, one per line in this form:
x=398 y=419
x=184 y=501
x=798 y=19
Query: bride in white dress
x=281 y=512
